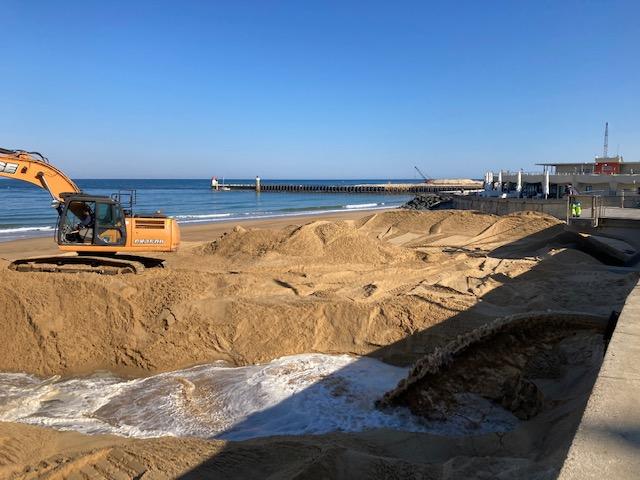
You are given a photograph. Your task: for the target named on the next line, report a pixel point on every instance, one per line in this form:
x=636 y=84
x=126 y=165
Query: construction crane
x=424 y=177
x=95 y=227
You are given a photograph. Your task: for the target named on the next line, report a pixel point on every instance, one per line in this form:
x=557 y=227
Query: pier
x=397 y=188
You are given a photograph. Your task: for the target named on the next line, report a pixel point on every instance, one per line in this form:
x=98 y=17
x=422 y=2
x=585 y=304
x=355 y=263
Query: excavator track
x=82 y=263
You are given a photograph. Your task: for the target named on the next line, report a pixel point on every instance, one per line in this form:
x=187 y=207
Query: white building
x=604 y=176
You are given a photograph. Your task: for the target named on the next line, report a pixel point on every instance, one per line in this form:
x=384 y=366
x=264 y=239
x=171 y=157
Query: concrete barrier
x=505 y=206
x=607 y=443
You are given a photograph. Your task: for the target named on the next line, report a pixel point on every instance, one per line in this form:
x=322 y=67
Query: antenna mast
x=606 y=139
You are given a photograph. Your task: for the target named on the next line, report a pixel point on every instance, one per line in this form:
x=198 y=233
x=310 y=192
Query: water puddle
x=294 y=395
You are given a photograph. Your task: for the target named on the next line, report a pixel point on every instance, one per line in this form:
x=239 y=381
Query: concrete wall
x=504 y=206
x=607 y=444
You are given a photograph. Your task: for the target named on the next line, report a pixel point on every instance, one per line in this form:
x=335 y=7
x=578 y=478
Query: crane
x=425 y=178
x=95 y=227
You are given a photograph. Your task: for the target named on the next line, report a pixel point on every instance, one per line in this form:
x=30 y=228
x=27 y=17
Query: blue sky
x=307 y=89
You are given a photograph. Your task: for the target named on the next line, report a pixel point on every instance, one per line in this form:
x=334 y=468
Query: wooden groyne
x=399 y=188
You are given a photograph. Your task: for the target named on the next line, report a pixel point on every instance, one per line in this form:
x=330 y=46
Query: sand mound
x=470 y=223
x=570 y=256
x=333 y=242
x=423 y=221
x=242 y=243
x=255 y=295
x=483 y=227
x=517 y=226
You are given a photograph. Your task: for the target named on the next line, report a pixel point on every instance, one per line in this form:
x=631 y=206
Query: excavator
x=105 y=234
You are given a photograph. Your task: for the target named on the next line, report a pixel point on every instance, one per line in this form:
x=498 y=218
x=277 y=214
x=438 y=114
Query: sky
x=318 y=89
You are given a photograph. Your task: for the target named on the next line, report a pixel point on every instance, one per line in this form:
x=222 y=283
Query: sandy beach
x=474 y=306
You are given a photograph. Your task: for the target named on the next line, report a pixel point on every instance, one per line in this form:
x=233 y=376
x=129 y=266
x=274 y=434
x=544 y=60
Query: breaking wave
x=26 y=229
x=363 y=205
x=205 y=216
x=294 y=395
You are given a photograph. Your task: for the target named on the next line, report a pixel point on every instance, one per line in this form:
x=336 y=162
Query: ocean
x=25 y=209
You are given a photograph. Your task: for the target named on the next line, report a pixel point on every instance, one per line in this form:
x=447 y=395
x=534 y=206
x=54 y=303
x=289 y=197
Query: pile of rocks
x=426 y=202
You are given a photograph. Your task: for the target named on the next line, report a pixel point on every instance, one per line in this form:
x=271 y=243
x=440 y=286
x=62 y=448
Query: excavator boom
x=34 y=168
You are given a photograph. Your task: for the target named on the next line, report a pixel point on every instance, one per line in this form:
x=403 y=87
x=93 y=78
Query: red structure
x=607 y=168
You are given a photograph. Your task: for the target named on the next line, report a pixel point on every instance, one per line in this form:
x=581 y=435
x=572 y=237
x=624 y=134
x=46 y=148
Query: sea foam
x=301 y=394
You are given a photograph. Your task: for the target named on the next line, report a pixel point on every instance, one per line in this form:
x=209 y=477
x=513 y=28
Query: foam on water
x=301 y=394
x=358 y=206
x=18 y=233
x=266 y=215
x=27 y=229
x=207 y=215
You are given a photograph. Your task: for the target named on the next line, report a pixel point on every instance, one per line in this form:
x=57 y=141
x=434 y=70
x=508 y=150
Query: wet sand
x=396 y=286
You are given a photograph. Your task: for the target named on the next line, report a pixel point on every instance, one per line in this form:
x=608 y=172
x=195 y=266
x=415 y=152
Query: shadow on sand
x=536 y=447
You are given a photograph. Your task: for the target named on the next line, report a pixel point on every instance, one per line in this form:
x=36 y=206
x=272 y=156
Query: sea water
x=294 y=395
x=25 y=209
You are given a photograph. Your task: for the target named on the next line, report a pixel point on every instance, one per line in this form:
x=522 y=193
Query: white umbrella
x=545 y=184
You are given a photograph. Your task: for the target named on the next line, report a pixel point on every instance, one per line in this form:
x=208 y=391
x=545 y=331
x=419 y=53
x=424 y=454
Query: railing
x=621 y=201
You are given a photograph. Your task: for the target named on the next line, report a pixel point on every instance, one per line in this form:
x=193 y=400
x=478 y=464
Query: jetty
x=397 y=188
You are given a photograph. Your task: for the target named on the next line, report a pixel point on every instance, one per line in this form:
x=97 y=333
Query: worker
x=85 y=227
x=576 y=208
x=87 y=218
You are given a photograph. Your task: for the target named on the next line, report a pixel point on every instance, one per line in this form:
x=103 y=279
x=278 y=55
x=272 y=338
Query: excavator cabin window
x=92 y=223
x=110 y=224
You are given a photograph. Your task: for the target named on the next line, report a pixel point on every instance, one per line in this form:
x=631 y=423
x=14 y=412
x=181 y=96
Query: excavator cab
x=91 y=220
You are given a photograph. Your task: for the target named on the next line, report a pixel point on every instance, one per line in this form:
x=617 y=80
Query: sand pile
x=460 y=228
x=419 y=221
x=255 y=295
x=78 y=322
x=333 y=242
x=571 y=256
x=517 y=226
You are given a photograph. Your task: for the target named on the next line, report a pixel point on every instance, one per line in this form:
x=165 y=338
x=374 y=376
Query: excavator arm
x=34 y=168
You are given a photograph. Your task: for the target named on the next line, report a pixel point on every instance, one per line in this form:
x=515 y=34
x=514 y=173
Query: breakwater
x=399 y=188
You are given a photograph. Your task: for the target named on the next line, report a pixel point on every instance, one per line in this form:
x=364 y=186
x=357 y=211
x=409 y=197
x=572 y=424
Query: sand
x=394 y=285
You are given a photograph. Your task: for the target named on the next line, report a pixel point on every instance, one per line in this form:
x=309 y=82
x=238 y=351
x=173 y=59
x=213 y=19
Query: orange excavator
x=105 y=234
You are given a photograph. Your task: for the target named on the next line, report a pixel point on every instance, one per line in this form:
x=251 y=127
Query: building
x=604 y=176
